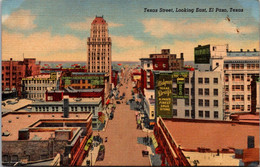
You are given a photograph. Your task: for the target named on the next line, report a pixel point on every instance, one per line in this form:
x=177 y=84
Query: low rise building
x=185 y=142
x=34 y=87
x=33 y=137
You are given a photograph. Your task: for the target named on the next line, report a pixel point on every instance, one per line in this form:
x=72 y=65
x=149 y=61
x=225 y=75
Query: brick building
x=14 y=71
x=29 y=137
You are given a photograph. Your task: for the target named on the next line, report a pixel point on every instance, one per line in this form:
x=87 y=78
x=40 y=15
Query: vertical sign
x=179 y=93
x=163 y=93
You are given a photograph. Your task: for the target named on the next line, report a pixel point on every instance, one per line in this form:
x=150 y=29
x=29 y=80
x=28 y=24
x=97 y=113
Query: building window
x=148 y=65
x=226 y=78
x=207 y=103
x=206 y=114
x=187 y=102
x=206 y=80
x=215 y=103
x=248 y=107
x=200 y=102
x=248 y=87
x=200 y=80
x=249 y=97
x=215 y=92
x=187 y=80
x=207 y=91
x=200 y=114
x=174 y=101
x=200 y=91
x=174 y=112
x=215 y=114
x=187 y=113
x=215 y=80
x=5 y=158
x=14 y=158
x=186 y=91
x=192 y=102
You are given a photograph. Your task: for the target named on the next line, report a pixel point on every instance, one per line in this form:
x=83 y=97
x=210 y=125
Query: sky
x=57 y=30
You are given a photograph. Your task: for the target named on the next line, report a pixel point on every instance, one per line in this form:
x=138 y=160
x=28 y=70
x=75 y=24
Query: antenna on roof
x=102 y=16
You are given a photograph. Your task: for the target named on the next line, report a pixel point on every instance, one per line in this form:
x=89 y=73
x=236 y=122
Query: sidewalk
x=92 y=156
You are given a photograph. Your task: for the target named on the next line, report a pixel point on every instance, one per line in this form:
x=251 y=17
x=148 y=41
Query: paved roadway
x=122 y=147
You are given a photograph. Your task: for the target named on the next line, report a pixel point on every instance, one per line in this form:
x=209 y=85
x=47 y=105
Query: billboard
x=180 y=80
x=202 y=54
x=163 y=93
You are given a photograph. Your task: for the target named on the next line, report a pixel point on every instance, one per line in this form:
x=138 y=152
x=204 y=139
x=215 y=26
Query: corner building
x=99 y=47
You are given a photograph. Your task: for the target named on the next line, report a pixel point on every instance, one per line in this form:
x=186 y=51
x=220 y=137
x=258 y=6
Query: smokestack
x=250 y=141
x=66 y=107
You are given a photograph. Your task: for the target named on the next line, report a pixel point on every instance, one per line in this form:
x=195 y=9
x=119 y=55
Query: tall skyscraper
x=99 y=56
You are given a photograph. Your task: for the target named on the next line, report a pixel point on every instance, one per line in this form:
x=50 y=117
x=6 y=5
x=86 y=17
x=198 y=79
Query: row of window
x=72 y=108
x=206 y=91
x=207 y=80
x=36 y=88
x=202 y=114
x=206 y=114
x=238 y=107
x=38 y=82
x=241 y=66
x=35 y=95
x=207 y=103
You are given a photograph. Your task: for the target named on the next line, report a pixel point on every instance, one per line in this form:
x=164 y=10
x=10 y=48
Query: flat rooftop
x=191 y=134
x=13 y=105
x=206 y=159
x=13 y=122
x=71 y=101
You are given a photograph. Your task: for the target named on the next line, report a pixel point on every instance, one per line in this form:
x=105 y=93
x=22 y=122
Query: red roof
x=99 y=20
x=212 y=134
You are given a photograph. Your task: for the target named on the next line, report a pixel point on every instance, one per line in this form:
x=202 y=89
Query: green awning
x=155 y=144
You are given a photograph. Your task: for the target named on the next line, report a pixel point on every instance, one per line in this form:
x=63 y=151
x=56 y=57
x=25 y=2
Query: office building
x=99 y=55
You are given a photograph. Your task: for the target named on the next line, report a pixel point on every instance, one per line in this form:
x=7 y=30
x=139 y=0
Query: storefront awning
x=88 y=144
x=155 y=144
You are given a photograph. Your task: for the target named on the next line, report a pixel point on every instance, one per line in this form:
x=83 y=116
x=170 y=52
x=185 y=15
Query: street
x=121 y=147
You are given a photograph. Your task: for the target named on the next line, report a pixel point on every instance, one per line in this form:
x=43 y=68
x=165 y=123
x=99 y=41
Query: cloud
x=39 y=44
x=86 y=25
x=112 y=24
x=160 y=28
x=4 y=17
x=21 y=19
x=81 y=26
x=126 y=41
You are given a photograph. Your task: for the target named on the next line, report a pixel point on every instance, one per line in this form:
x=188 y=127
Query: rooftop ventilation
x=17 y=117
x=29 y=116
x=9 y=121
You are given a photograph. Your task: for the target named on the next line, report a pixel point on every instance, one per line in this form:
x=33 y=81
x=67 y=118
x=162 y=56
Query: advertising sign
x=180 y=78
x=163 y=94
x=202 y=54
